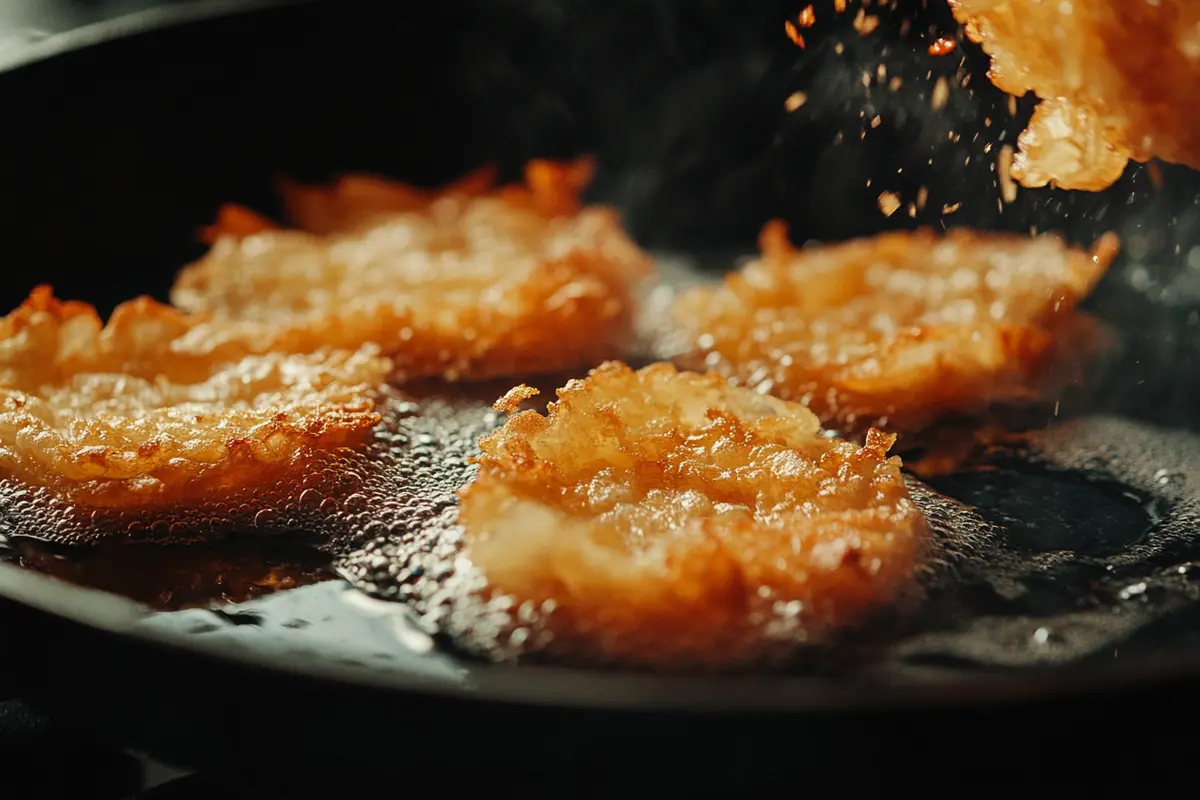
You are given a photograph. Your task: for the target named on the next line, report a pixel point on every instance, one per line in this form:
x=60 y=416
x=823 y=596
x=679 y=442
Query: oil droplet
x=1166 y=477
x=1134 y=590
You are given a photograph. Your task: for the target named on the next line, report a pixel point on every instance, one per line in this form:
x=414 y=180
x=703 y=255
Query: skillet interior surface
x=114 y=154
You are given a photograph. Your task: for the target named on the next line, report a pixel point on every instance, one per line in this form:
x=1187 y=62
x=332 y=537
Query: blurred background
x=706 y=117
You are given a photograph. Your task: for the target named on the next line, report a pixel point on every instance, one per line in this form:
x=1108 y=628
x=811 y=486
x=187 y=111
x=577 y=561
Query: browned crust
x=1118 y=80
x=849 y=329
x=825 y=531
x=113 y=414
x=562 y=298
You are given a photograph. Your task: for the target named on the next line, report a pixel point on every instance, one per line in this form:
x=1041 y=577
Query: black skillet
x=118 y=141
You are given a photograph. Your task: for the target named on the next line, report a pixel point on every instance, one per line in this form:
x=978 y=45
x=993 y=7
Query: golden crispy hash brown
x=125 y=414
x=896 y=329
x=354 y=202
x=466 y=282
x=1119 y=79
x=669 y=517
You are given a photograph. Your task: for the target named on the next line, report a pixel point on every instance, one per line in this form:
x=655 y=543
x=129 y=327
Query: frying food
x=1119 y=79
x=667 y=517
x=462 y=283
x=140 y=413
x=893 y=330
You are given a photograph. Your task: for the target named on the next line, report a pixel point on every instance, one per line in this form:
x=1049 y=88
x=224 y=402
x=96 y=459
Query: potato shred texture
x=897 y=329
x=669 y=518
x=1119 y=79
x=467 y=282
x=120 y=416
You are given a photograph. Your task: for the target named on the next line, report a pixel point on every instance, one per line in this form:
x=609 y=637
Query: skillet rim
x=579 y=690
x=129 y=25
x=594 y=691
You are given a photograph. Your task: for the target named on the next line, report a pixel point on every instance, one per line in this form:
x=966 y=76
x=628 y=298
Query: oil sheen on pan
x=652 y=517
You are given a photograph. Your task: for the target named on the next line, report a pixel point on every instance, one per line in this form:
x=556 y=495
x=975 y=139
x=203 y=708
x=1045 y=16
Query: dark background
x=681 y=100
x=114 y=156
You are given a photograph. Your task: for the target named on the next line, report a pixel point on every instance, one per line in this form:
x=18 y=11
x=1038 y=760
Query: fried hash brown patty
x=465 y=283
x=670 y=518
x=1119 y=79
x=127 y=416
x=892 y=330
